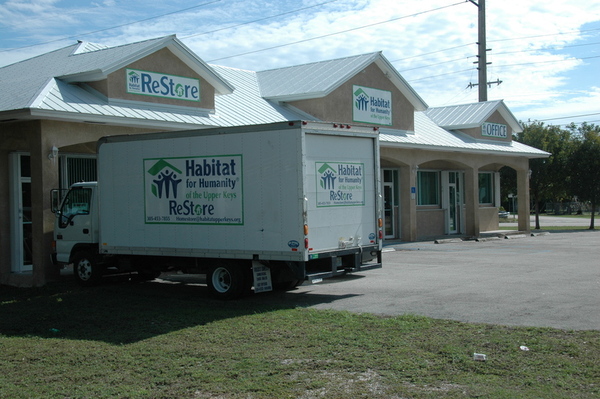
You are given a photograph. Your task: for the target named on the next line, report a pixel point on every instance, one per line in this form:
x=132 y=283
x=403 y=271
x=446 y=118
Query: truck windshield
x=77 y=202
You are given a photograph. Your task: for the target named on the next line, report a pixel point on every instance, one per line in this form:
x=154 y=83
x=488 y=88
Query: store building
x=440 y=165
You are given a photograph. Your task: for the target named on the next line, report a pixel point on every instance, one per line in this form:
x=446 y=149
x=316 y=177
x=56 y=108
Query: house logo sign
x=328 y=177
x=133 y=81
x=361 y=99
x=165 y=179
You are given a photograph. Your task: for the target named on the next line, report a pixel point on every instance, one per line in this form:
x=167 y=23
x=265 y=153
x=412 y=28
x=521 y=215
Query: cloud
x=431 y=43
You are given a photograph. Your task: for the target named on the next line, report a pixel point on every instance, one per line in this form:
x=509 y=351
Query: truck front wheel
x=86 y=270
x=226 y=280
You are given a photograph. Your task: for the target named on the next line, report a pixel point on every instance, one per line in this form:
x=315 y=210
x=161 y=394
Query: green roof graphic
x=160 y=165
x=325 y=166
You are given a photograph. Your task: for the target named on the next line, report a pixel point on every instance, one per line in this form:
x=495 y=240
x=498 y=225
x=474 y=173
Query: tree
x=548 y=175
x=584 y=165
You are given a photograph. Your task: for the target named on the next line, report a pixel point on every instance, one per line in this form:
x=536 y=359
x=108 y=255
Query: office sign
x=494 y=130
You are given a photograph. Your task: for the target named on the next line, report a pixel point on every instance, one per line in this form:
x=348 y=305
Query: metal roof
x=318 y=79
x=465 y=116
x=245 y=106
x=51 y=86
x=21 y=83
x=428 y=135
x=46 y=86
x=60 y=100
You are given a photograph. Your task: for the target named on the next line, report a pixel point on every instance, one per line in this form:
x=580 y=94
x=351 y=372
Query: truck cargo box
x=240 y=192
x=248 y=206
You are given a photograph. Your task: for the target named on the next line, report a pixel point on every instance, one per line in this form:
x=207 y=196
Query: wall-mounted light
x=415 y=169
x=53 y=153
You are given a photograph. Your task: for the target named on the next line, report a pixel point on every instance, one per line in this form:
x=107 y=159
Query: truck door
x=74 y=224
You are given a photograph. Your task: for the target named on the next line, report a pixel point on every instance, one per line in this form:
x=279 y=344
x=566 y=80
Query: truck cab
x=76 y=223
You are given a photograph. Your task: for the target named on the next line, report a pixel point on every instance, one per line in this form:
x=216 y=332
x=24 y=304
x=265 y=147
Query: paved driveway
x=549 y=280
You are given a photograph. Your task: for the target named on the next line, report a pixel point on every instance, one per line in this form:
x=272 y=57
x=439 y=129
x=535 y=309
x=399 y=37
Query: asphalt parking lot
x=550 y=280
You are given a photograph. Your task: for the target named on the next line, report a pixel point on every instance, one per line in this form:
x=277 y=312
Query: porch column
x=472 y=201
x=408 y=203
x=523 y=197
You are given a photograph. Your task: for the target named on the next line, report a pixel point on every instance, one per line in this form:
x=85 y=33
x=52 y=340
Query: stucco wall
x=430 y=222
x=488 y=218
x=163 y=61
x=16 y=137
x=337 y=106
x=37 y=138
x=496 y=117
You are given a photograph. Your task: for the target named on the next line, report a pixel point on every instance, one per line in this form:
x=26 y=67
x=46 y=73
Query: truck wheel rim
x=84 y=269
x=221 y=280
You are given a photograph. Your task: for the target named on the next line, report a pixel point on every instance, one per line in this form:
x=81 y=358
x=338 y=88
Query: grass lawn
x=159 y=340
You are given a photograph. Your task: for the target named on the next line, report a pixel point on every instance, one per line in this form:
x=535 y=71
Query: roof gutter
x=531 y=155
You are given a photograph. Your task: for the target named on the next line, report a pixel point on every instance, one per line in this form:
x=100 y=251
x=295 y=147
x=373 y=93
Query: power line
x=336 y=33
x=506 y=66
x=494 y=54
x=568 y=117
x=114 y=27
x=549 y=34
x=259 y=20
x=434 y=52
x=509 y=39
x=546 y=62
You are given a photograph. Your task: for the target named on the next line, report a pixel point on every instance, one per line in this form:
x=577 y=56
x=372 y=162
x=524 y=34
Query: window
x=428 y=188
x=486 y=188
x=77 y=202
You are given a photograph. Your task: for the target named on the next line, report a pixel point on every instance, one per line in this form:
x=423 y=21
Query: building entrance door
x=389 y=203
x=453 y=201
x=388 y=197
x=20 y=213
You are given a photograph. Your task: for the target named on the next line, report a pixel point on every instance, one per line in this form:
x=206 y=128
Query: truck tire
x=86 y=269
x=227 y=280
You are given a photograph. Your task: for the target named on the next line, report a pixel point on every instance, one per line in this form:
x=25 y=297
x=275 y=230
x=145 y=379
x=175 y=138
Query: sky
x=545 y=53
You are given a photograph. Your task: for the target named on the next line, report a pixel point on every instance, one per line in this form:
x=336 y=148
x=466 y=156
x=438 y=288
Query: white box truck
x=252 y=206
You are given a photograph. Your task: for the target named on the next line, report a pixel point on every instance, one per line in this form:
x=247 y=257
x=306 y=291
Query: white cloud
x=434 y=50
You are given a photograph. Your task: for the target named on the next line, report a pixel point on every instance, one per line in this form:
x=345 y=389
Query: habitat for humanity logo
x=361 y=99
x=133 y=81
x=340 y=184
x=165 y=181
x=328 y=176
x=372 y=105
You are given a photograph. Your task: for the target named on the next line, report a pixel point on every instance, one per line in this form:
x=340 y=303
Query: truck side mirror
x=56 y=197
x=54 y=200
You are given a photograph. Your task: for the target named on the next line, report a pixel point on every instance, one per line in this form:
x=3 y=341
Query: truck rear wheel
x=227 y=280
x=86 y=270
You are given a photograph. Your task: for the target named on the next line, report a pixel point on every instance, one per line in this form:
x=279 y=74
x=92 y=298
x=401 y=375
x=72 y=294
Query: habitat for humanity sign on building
x=162 y=85
x=372 y=106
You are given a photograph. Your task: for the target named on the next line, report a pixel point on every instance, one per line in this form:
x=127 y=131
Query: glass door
x=454 y=203
x=21 y=216
x=389 y=202
x=388 y=208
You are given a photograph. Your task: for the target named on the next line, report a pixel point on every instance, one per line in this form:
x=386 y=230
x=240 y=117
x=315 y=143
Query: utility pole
x=482 y=53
